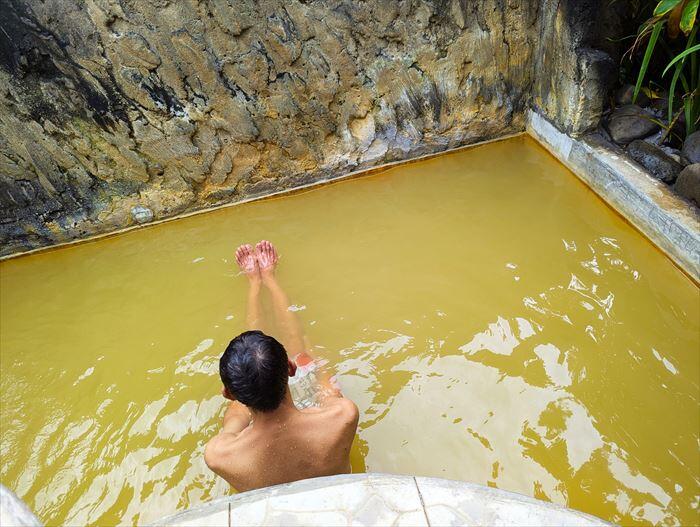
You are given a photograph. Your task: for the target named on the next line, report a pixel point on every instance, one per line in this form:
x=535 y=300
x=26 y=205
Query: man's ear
x=292 y=367
x=226 y=394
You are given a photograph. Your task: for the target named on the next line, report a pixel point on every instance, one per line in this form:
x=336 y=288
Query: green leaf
x=677 y=73
x=680 y=56
x=693 y=58
x=647 y=57
x=694 y=70
x=690 y=11
x=665 y=6
x=689 y=124
x=672 y=89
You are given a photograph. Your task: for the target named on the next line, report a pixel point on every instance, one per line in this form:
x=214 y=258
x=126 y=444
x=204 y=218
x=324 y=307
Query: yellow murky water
x=493 y=320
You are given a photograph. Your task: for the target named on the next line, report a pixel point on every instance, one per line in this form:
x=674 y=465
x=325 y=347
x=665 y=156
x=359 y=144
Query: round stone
x=691 y=148
x=141 y=214
x=688 y=183
x=631 y=122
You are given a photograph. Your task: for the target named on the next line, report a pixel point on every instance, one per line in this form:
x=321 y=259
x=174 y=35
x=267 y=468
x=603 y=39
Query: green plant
x=677 y=16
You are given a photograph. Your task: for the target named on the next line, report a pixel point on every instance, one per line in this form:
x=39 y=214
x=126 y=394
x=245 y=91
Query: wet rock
x=195 y=104
x=603 y=132
x=575 y=68
x=661 y=165
x=688 y=183
x=141 y=214
x=655 y=138
x=630 y=122
x=656 y=141
x=580 y=93
x=691 y=148
x=623 y=96
x=673 y=153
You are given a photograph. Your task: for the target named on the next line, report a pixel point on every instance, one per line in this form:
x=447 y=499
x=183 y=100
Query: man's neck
x=284 y=411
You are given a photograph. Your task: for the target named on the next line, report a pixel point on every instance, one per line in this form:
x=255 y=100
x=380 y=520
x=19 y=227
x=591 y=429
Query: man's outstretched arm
x=293 y=337
x=292 y=332
x=246 y=260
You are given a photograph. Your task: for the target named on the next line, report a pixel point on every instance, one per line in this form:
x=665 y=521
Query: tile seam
x=422 y=503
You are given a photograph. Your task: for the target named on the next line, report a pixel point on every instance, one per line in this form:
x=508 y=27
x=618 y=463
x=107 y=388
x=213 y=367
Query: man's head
x=255 y=370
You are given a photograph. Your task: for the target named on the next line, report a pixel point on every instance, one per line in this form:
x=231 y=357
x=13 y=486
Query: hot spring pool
x=493 y=320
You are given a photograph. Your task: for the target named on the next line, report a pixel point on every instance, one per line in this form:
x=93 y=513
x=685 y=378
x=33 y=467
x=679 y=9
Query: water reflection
x=514 y=396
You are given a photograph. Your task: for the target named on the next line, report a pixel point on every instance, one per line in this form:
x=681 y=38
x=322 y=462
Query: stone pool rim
x=413 y=500
x=651 y=221
x=297 y=189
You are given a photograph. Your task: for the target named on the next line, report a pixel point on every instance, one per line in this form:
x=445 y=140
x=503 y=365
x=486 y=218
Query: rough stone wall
x=116 y=111
x=577 y=59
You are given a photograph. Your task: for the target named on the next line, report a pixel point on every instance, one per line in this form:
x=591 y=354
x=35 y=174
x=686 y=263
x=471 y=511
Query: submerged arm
x=293 y=337
x=292 y=333
x=294 y=340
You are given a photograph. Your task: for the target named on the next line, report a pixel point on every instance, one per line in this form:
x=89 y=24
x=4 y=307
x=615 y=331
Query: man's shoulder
x=342 y=411
x=219 y=447
x=348 y=409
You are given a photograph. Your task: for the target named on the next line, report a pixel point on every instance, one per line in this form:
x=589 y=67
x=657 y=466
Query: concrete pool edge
x=379 y=499
x=648 y=204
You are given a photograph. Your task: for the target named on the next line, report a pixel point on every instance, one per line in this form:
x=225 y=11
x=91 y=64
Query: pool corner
x=664 y=218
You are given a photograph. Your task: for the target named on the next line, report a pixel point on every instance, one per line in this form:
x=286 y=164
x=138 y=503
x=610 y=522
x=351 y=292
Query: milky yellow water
x=493 y=320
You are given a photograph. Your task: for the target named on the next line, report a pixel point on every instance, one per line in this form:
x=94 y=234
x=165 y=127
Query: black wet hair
x=254 y=370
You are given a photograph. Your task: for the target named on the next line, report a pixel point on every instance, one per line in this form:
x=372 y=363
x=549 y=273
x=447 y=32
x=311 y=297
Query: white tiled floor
x=379 y=499
x=216 y=519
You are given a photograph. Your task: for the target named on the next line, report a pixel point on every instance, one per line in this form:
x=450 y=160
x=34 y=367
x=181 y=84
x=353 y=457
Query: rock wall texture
x=577 y=60
x=114 y=112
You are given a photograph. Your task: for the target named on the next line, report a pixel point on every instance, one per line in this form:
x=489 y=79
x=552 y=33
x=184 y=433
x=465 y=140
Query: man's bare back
x=261 y=448
x=297 y=445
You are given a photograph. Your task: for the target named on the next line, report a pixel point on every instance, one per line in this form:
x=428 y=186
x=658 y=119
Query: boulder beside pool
x=688 y=183
x=691 y=148
x=630 y=122
x=660 y=164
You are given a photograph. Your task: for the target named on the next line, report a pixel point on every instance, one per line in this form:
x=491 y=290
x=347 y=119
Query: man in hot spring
x=266 y=438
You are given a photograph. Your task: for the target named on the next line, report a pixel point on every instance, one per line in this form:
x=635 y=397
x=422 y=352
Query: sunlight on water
x=493 y=320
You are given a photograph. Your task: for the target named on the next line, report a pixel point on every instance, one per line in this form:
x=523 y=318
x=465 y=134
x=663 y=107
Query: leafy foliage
x=679 y=17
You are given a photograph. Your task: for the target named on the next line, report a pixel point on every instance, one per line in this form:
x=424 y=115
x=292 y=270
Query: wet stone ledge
x=379 y=499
